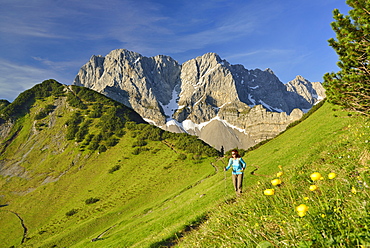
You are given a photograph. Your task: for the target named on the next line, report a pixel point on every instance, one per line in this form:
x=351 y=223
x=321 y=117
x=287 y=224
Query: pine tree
x=350 y=87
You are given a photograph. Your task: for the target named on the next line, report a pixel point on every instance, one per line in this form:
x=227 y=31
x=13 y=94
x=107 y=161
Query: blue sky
x=43 y=39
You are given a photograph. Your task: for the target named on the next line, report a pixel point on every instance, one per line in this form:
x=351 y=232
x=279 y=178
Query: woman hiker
x=238 y=165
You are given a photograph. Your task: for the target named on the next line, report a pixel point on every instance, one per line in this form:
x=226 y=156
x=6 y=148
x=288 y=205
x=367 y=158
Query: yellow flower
x=301 y=214
x=323 y=216
x=315 y=176
x=353 y=190
x=302 y=208
x=275 y=182
x=306 y=198
x=280 y=167
x=279 y=174
x=313 y=187
x=332 y=175
x=269 y=192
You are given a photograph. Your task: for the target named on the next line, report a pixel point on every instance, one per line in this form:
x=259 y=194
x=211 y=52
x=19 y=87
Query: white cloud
x=59 y=66
x=261 y=53
x=16 y=78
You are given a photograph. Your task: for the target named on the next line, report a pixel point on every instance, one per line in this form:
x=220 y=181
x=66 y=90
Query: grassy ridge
x=329 y=141
x=139 y=184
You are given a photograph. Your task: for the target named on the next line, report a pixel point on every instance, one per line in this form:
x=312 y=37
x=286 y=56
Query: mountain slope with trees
x=75 y=164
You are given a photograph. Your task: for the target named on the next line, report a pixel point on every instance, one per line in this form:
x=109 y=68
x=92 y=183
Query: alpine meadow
x=79 y=169
x=149 y=187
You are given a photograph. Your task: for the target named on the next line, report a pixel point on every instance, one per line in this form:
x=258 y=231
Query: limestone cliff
x=225 y=105
x=312 y=92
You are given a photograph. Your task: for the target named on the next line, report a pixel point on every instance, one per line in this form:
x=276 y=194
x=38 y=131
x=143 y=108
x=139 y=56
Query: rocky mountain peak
x=201 y=91
x=269 y=71
x=312 y=92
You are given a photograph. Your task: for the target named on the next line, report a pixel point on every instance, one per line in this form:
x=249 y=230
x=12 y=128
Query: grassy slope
x=152 y=195
x=328 y=141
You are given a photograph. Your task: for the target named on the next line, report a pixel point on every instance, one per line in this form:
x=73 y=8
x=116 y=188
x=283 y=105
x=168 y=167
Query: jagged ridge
x=184 y=98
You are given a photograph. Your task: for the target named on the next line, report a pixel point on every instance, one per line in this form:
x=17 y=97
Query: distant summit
x=225 y=105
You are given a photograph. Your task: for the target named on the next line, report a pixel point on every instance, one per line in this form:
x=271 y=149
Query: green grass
x=338 y=211
x=151 y=199
x=140 y=203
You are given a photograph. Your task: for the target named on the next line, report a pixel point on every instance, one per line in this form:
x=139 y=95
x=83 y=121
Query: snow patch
x=149 y=121
x=252 y=100
x=188 y=125
x=269 y=107
x=222 y=105
x=172 y=106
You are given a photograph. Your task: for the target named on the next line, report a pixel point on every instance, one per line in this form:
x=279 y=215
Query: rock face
x=138 y=82
x=312 y=92
x=225 y=105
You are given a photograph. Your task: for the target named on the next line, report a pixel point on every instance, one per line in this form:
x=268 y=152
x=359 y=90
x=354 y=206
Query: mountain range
x=225 y=105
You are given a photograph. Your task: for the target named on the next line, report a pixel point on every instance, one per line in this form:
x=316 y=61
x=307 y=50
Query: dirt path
x=169 y=145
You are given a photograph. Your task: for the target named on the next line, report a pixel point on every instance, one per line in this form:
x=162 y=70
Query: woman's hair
x=236 y=153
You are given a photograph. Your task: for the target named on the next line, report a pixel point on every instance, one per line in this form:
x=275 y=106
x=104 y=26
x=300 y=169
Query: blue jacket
x=238 y=165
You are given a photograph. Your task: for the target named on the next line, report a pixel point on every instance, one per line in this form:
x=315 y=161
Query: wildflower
x=353 y=190
x=323 y=216
x=315 y=176
x=306 y=198
x=332 y=175
x=313 y=187
x=279 y=174
x=301 y=209
x=280 y=167
x=275 y=182
x=269 y=192
x=301 y=214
